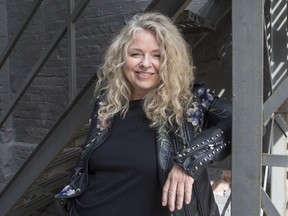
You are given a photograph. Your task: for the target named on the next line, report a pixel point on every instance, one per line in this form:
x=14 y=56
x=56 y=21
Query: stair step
x=29 y=208
x=47 y=184
x=190 y=22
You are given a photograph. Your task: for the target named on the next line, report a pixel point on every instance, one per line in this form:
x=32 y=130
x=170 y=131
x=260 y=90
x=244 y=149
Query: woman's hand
x=177 y=188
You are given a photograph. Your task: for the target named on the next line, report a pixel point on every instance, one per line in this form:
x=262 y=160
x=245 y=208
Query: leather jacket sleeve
x=213 y=143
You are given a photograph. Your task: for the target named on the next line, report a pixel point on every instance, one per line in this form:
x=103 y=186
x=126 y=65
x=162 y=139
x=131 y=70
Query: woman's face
x=142 y=64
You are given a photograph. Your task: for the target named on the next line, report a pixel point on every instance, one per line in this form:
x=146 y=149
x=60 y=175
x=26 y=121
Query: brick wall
x=5 y=132
x=47 y=97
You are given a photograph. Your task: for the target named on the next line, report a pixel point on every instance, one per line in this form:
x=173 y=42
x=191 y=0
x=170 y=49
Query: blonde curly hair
x=164 y=106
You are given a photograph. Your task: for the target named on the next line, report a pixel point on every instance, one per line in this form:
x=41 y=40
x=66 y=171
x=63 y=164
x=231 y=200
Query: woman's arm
x=213 y=143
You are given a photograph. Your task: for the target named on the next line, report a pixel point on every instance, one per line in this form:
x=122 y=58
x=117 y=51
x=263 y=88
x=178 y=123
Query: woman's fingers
x=188 y=190
x=165 y=193
x=169 y=193
x=180 y=195
x=177 y=189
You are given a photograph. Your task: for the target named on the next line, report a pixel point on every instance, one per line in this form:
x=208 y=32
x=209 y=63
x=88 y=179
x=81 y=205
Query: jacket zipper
x=196 y=148
x=210 y=147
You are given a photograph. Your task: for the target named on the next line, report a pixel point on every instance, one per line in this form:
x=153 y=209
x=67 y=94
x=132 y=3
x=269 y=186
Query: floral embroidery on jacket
x=67 y=191
x=195 y=114
x=205 y=98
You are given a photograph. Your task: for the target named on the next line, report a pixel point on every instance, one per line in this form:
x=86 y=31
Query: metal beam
x=278 y=14
x=247 y=65
x=50 y=146
x=78 y=10
x=274 y=160
x=267 y=52
x=5 y=54
x=72 y=74
x=74 y=14
x=282 y=124
x=267 y=205
x=172 y=8
x=275 y=100
x=278 y=174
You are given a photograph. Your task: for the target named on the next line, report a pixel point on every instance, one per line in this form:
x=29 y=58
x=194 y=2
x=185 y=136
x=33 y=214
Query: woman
x=146 y=152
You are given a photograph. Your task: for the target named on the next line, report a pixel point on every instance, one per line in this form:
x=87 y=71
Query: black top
x=123 y=178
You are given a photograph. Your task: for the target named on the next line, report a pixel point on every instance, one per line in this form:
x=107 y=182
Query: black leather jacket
x=193 y=149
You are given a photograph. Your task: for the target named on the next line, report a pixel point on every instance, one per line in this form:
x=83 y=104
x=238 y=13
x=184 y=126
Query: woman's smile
x=144 y=75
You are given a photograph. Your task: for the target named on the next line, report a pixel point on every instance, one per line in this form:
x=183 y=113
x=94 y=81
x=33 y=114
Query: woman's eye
x=135 y=54
x=157 y=56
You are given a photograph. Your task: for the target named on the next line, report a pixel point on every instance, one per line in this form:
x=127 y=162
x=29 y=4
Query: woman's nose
x=145 y=62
